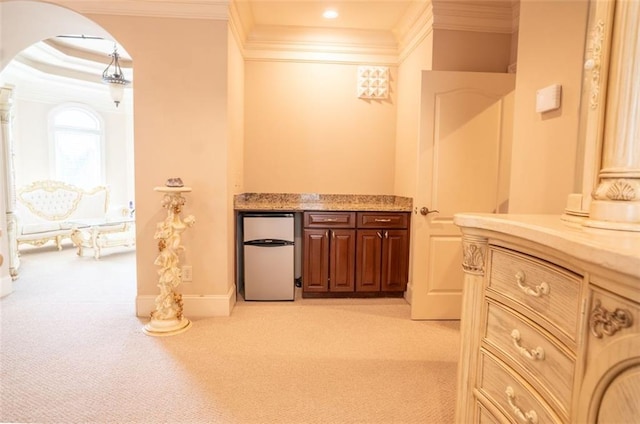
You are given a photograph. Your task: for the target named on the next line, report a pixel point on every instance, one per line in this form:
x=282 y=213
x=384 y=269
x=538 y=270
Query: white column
x=6 y=103
x=616 y=200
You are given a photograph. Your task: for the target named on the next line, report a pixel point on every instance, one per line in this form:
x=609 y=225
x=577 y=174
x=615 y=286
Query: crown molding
x=381 y=47
x=515 y=15
x=39 y=85
x=185 y=9
x=474 y=15
x=320 y=44
x=240 y=20
x=415 y=26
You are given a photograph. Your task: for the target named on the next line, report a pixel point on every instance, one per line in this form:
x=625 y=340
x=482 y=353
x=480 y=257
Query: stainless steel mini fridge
x=268 y=256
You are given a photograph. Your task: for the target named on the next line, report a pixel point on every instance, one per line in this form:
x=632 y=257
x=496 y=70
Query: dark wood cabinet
x=342 y=248
x=348 y=253
x=315 y=276
x=369 y=261
x=382 y=253
x=395 y=260
x=329 y=252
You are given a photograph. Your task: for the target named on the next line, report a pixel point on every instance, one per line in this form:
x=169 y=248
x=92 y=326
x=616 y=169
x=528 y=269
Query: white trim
x=382 y=48
x=318 y=45
x=190 y=9
x=415 y=31
x=408 y=294
x=194 y=305
x=474 y=15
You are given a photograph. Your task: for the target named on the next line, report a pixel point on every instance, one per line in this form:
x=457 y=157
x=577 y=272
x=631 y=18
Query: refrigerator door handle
x=268 y=243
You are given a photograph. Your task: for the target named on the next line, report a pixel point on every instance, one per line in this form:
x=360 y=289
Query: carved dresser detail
x=549 y=329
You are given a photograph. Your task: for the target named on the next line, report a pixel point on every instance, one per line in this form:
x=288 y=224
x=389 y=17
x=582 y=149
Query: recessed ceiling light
x=330 y=14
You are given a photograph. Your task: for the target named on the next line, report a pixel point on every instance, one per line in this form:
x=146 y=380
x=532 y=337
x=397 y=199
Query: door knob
x=425 y=211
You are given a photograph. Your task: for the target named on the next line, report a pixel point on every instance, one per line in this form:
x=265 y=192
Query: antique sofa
x=46 y=210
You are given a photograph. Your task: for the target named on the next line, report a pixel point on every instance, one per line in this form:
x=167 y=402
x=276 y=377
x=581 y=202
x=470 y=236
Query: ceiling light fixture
x=116 y=79
x=330 y=14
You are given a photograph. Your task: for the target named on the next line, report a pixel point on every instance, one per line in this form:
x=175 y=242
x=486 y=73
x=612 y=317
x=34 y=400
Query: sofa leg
x=59 y=242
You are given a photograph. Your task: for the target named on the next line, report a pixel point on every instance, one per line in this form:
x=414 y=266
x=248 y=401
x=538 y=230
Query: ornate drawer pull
x=604 y=322
x=539 y=290
x=382 y=220
x=330 y=220
x=527 y=417
x=533 y=354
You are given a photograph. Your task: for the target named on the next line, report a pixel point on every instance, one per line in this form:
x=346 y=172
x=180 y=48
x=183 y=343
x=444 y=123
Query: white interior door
x=463 y=166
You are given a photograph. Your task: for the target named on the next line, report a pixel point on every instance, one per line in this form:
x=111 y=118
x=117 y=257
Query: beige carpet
x=72 y=351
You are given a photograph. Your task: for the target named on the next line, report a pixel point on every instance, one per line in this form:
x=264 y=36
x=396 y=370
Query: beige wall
x=235 y=160
x=408 y=118
x=307 y=131
x=471 y=51
x=408 y=128
x=551 y=44
x=181 y=129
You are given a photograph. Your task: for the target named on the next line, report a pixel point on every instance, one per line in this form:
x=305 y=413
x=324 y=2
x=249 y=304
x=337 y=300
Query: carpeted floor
x=72 y=351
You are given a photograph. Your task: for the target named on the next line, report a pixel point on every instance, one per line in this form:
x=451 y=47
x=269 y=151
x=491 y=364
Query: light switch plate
x=548 y=98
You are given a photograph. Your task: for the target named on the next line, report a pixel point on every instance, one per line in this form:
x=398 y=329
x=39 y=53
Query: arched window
x=77 y=134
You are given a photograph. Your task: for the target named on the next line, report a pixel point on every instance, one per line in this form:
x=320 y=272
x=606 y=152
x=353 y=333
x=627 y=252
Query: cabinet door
x=369 y=260
x=316 y=260
x=342 y=262
x=610 y=390
x=395 y=263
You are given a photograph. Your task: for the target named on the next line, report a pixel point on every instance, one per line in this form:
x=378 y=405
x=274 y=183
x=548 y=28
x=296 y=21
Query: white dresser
x=550 y=322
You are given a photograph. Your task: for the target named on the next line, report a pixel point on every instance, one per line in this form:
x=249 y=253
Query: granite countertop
x=296 y=202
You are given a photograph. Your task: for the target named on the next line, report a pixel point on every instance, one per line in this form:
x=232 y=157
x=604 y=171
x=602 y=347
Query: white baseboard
x=6 y=286
x=408 y=293
x=193 y=305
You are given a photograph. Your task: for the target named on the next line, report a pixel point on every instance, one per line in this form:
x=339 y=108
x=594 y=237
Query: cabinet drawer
x=330 y=219
x=511 y=394
x=382 y=220
x=549 y=291
x=528 y=348
x=484 y=416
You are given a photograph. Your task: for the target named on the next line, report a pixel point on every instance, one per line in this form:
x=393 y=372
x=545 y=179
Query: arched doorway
x=46 y=22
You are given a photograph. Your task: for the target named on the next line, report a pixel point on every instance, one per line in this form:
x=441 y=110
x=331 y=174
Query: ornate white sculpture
x=167 y=319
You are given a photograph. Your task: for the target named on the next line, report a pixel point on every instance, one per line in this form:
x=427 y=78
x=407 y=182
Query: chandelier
x=115 y=78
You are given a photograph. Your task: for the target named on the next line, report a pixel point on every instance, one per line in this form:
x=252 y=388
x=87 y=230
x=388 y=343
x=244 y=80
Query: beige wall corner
x=550 y=51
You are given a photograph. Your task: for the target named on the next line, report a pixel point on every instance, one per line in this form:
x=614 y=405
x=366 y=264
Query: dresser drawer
x=382 y=220
x=549 y=291
x=484 y=416
x=533 y=351
x=512 y=395
x=330 y=219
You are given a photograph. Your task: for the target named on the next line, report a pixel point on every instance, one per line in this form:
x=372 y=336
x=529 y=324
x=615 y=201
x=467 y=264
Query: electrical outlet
x=187 y=273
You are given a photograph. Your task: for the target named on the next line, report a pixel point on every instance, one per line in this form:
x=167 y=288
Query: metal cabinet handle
x=425 y=211
x=532 y=354
x=382 y=220
x=530 y=417
x=329 y=219
x=537 y=291
x=379 y=235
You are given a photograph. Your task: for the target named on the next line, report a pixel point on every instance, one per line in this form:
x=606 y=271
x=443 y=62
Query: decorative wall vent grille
x=373 y=82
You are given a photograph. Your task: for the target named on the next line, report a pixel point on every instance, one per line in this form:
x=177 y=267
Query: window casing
x=77 y=151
